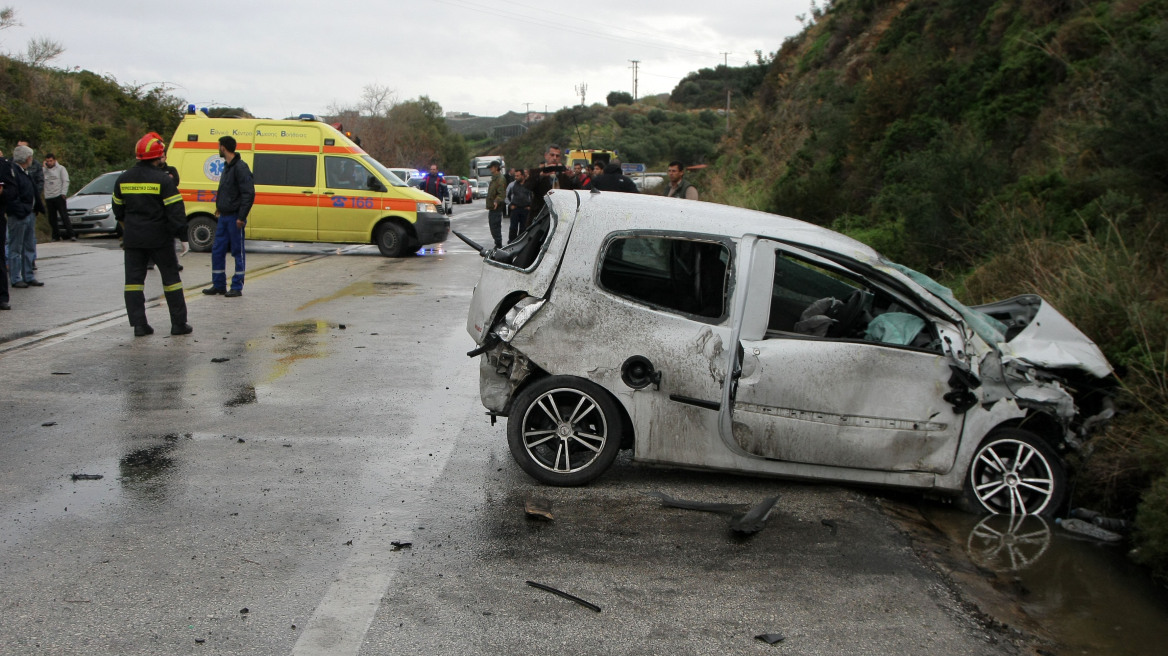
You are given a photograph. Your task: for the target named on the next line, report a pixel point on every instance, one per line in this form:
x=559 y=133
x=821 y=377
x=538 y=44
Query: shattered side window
x=525 y=250
x=682 y=275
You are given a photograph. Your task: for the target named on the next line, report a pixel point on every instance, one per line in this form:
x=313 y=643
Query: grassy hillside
x=89 y=122
x=1005 y=146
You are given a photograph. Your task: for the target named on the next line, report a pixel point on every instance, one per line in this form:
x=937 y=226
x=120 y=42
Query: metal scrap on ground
x=565 y=595
x=747 y=522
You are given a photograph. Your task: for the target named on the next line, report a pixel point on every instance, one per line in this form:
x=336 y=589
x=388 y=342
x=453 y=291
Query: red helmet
x=150 y=146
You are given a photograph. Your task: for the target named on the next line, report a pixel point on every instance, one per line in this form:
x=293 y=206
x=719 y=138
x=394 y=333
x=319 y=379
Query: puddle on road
x=1083 y=593
x=365 y=288
x=294 y=341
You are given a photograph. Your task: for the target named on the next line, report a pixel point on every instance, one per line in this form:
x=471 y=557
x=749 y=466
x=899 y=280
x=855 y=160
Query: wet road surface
x=256 y=475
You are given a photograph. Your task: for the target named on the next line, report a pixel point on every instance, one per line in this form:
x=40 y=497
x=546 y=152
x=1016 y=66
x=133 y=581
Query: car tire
x=391 y=240
x=564 y=431
x=1015 y=472
x=201 y=234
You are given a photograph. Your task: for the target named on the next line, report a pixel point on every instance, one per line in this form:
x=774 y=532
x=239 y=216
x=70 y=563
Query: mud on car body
x=710 y=337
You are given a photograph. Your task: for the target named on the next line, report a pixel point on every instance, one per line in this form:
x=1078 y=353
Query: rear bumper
x=432 y=227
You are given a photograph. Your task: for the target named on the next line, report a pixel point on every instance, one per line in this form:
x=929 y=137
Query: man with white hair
x=23 y=205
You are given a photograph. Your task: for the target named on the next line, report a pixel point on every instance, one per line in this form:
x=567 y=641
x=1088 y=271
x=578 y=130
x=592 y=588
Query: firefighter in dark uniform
x=147 y=202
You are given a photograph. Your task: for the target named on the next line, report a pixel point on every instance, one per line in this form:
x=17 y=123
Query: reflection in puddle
x=1085 y=593
x=365 y=288
x=1008 y=543
x=145 y=472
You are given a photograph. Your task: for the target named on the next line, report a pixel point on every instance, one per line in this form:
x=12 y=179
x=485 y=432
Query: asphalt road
x=256 y=474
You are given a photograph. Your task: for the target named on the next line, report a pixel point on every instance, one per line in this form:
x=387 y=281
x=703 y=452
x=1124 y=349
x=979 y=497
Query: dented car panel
x=718 y=338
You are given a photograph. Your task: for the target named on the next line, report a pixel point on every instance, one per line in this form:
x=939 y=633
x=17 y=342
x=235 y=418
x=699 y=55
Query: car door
x=285 y=203
x=352 y=202
x=844 y=400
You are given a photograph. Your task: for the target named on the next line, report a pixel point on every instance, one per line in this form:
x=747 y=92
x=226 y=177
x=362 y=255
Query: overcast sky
x=278 y=58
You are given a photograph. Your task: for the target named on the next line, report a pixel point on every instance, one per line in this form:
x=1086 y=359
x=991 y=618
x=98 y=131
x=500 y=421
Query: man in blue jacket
x=233 y=202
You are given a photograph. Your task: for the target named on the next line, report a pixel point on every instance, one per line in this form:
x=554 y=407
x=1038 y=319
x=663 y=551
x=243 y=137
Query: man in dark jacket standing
x=23 y=206
x=5 y=190
x=614 y=180
x=232 y=204
x=151 y=210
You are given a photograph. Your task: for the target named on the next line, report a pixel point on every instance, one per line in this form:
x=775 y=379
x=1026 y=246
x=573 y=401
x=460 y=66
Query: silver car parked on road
x=91 y=208
x=712 y=337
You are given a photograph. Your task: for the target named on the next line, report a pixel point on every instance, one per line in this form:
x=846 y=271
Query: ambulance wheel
x=201 y=234
x=392 y=240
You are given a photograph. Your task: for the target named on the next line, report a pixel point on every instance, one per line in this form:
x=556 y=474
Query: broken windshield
x=988 y=328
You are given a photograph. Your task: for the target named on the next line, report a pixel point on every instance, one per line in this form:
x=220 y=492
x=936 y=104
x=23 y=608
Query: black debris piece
x=62 y=373
x=200 y=641
x=87 y=477
x=830 y=523
x=49 y=423
x=240 y=440
x=244 y=611
x=755 y=519
x=565 y=595
x=725 y=508
x=349 y=543
x=341 y=326
x=538 y=508
x=398 y=546
x=218 y=360
x=771 y=638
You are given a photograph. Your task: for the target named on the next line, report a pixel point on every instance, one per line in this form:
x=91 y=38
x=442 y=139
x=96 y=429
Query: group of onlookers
x=524 y=192
x=29 y=187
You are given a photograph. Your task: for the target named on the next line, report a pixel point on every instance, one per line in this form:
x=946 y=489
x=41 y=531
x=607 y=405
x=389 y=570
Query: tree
x=8 y=18
x=619 y=98
x=42 y=50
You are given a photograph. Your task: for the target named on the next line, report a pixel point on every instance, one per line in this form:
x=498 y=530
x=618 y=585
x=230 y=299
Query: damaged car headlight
x=517 y=316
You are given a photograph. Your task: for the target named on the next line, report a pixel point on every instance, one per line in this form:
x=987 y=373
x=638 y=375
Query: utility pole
x=582 y=89
x=634 y=67
x=726 y=67
x=526 y=112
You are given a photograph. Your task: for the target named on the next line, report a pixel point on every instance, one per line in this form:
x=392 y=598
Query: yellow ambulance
x=312 y=184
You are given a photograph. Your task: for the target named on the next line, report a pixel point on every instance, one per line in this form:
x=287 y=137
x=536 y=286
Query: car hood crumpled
x=1050 y=341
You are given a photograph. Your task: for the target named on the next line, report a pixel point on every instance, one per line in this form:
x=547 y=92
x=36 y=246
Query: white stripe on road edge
x=342 y=619
x=88 y=325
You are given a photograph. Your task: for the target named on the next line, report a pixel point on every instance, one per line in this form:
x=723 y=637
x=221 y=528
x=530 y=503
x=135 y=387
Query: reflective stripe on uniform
x=171 y=288
x=140 y=188
x=177 y=198
x=218 y=271
x=135 y=288
x=118 y=201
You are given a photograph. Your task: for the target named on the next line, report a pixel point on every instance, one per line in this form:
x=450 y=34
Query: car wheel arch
x=628 y=431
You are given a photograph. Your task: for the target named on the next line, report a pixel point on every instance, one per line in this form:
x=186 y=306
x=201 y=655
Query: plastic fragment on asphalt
x=87 y=477
x=398 y=546
x=62 y=373
x=218 y=360
x=755 y=519
x=49 y=423
x=726 y=508
x=565 y=595
x=538 y=508
x=771 y=638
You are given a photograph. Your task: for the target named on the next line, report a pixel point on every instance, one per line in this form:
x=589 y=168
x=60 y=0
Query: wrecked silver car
x=713 y=337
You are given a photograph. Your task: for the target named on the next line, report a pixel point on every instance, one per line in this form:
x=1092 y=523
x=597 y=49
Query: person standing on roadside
x=152 y=213
x=5 y=188
x=56 y=190
x=678 y=187
x=614 y=180
x=520 y=203
x=495 y=201
x=37 y=174
x=552 y=175
x=23 y=206
x=233 y=202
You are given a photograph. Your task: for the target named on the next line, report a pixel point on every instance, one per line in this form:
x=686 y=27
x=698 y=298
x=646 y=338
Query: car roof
x=652 y=212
